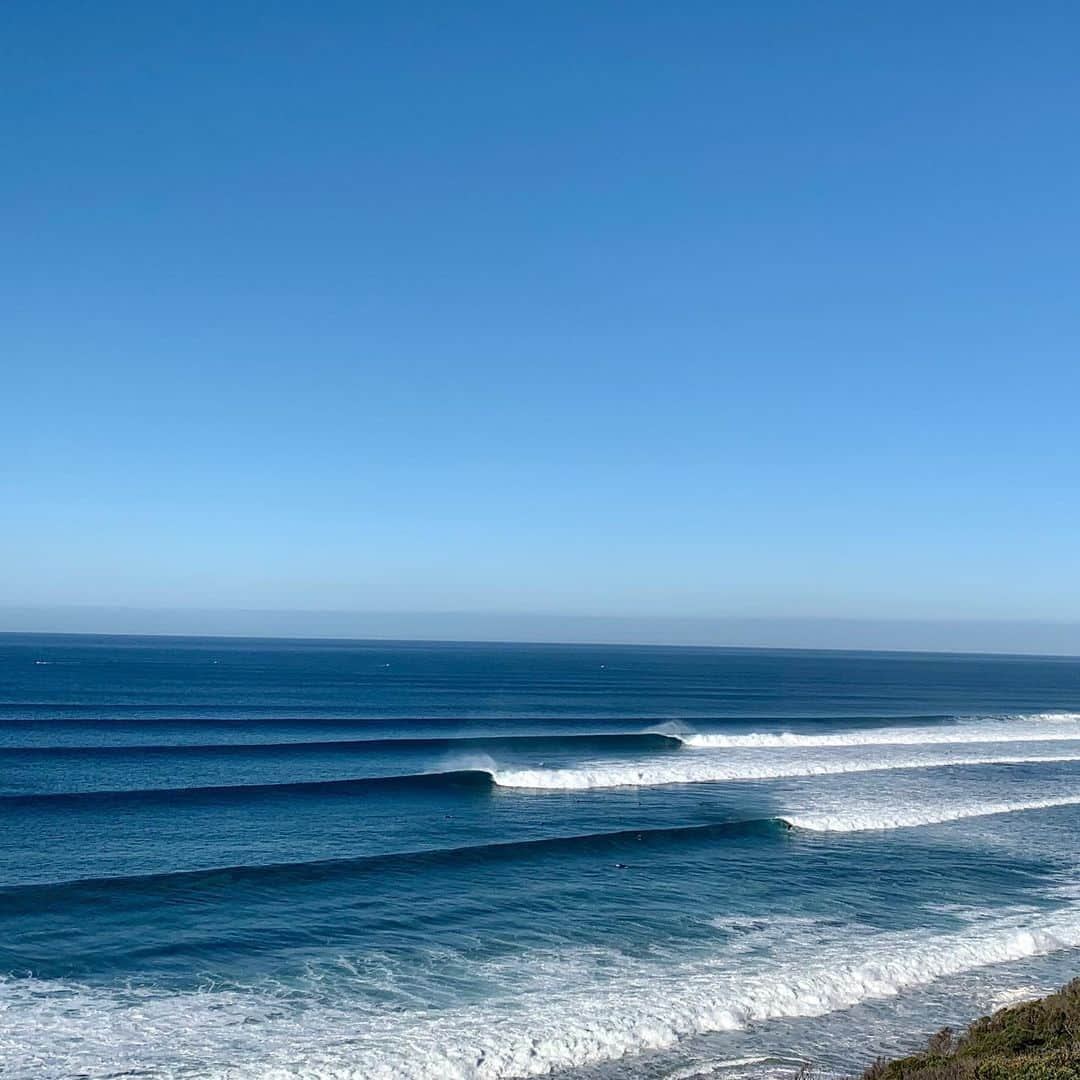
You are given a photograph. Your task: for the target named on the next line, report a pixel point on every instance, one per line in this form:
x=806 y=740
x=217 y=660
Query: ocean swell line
x=16 y=899
x=623 y=740
x=479 y=775
x=461 y=780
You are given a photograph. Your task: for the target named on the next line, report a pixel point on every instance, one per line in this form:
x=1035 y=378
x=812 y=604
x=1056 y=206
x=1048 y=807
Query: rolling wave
x=1039 y=727
x=602 y=741
x=571 y=1030
x=716 y=769
x=478 y=774
x=15 y=899
x=462 y=780
x=572 y=1017
x=912 y=817
x=623 y=843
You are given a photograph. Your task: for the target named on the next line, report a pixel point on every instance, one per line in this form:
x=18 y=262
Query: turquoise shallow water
x=227 y=858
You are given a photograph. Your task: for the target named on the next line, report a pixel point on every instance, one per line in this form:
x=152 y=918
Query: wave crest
x=913 y=817
x=723 y=769
x=1037 y=727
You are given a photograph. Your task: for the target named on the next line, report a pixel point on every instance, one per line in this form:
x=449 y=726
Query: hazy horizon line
x=1001 y=636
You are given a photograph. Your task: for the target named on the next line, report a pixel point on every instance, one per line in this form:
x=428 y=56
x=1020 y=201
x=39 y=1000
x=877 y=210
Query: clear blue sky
x=619 y=309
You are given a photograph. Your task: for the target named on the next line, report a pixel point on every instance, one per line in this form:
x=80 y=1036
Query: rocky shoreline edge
x=1035 y=1040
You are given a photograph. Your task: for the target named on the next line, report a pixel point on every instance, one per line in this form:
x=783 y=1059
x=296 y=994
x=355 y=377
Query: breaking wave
x=565 y=1021
x=717 y=769
x=1037 y=727
x=912 y=817
x=479 y=774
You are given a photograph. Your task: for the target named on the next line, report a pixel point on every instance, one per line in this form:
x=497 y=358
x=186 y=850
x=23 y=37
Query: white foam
x=1038 y=727
x=49 y=1030
x=1017 y=995
x=714 y=768
x=913 y=816
x=711 y=1068
x=643 y=1012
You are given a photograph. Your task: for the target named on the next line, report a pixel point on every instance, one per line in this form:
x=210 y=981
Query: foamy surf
x=644 y=1012
x=713 y=1068
x=1038 y=727
x=722 y=768
x=912 y=817
x=58 y=1029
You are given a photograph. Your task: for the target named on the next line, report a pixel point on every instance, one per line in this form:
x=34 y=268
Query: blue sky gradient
x=625 y=310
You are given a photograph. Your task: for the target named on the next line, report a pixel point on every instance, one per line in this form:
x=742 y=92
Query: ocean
x=417 y=861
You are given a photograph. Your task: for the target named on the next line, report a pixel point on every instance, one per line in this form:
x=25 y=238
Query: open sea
x=416 y=861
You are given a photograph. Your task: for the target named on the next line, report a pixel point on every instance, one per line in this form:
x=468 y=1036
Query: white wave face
x=49 y=1030
x=1038 y=727
x=716 y=768
x=910 y=817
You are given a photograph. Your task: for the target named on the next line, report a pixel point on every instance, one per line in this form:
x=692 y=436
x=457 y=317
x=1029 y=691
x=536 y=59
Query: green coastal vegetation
x=1038 y=1040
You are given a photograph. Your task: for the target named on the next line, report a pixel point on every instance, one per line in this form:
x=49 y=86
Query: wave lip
x=908 y=818
x=717 y=769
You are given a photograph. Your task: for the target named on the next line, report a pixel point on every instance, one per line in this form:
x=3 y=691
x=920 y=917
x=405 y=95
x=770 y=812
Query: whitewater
x=552 y=1028
x=717 y=769
x=1040 y=727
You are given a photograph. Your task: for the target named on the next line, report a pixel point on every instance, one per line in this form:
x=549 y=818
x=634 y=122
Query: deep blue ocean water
x=239 y=859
